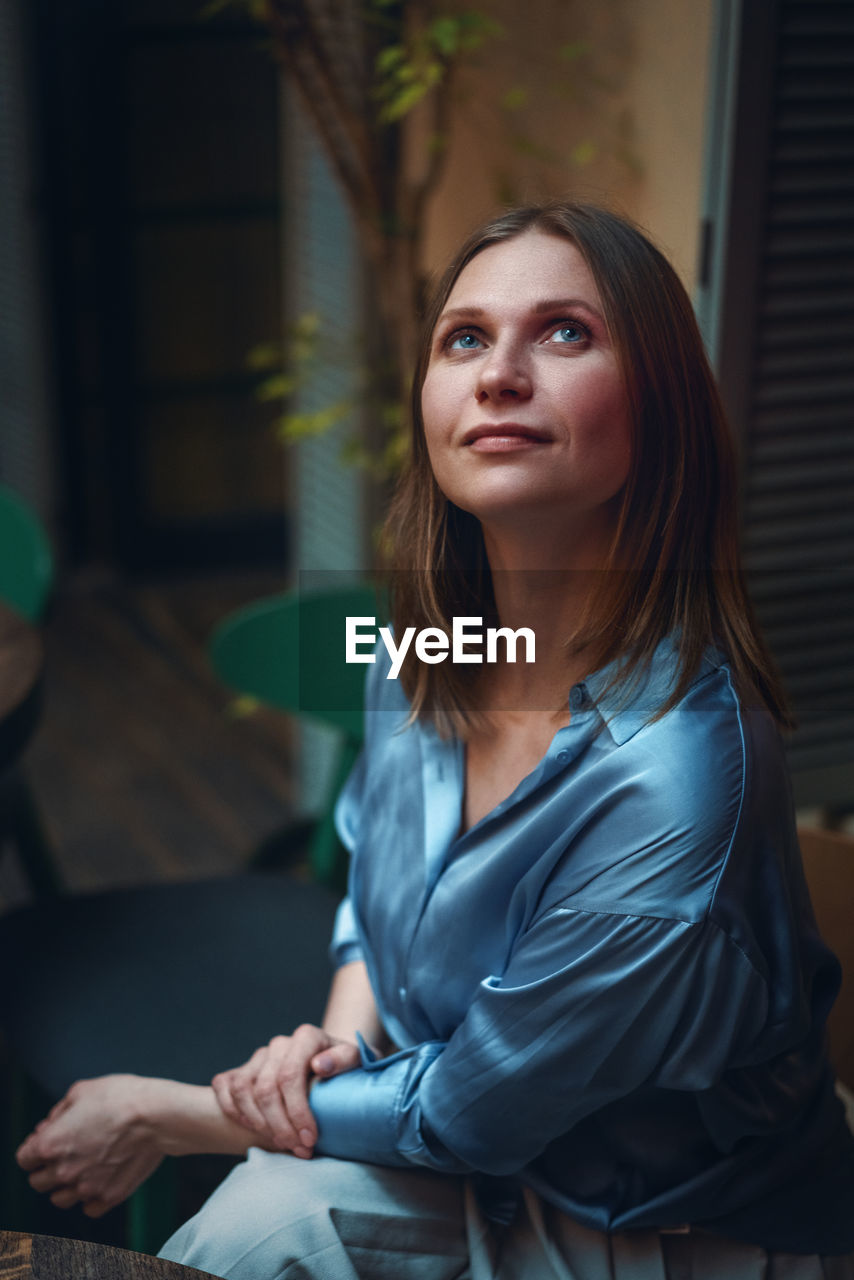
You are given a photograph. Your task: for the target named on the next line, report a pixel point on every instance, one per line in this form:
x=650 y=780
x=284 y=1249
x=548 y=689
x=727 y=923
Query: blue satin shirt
x=611 y=988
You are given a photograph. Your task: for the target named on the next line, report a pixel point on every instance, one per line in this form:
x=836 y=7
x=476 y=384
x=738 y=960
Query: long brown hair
x=674 y=566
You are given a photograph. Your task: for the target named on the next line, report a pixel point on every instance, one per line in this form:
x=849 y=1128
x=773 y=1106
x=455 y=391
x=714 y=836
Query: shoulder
x=682 y=797
x=712 y=743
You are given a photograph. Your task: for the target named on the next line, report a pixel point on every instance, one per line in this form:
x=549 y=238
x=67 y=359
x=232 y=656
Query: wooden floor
x=141 y=767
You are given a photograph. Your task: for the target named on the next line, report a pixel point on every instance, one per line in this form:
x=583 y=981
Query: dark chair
x=178 y=981
x=185 y=980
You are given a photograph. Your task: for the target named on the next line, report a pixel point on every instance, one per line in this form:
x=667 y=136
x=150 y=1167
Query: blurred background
x=217 y=225
x=217 y=222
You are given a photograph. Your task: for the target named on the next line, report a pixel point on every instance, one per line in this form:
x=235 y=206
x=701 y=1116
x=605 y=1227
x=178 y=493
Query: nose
x=503 y=374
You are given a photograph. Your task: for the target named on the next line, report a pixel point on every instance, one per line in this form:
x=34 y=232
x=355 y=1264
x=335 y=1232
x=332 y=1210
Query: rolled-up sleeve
x=592 y=1006
x=345 y=946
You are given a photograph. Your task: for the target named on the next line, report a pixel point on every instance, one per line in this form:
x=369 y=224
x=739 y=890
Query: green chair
x=287 y=651
x=26 y=580
x=26 y=559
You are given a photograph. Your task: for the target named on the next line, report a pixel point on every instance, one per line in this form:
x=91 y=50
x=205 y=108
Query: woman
x=578 y=936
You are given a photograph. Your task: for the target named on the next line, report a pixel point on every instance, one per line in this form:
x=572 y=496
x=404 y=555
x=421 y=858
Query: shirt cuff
x=372 y=1113
x=345 y=946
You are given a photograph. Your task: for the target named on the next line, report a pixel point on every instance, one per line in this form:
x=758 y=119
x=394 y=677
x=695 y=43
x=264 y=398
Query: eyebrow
x=540 y=308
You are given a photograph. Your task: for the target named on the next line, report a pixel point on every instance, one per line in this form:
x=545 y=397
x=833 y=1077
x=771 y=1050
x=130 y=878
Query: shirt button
x=402 y=993
x=562 y=757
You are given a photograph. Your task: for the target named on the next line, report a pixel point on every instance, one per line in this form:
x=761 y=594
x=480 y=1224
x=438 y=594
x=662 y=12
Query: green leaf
x=574 y=50
x=433 y=73
x=354 y=454
x=527 y=146
x=306 y=326
x=515 y=98
x=437 y=143
x=264 y=356
x=584 y=152
x=475 y=29
x=389 y=59
x=444 y=35
x=391 y=416
x=302 y=339
x=403 y=102
x=395 y=452
x=293 y=427
x=277 y=387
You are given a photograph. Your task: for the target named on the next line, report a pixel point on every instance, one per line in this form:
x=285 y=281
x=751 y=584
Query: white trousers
x=278 y=1218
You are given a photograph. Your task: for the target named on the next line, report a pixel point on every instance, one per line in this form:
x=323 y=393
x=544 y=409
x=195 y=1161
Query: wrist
x=175 y=1118
x=156 y=1113
x=185 y=1119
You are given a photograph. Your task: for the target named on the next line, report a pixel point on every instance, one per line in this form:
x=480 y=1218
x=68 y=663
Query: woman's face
x=524 y=406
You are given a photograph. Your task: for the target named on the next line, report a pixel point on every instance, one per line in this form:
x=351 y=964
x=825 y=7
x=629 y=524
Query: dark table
x=51 y=1258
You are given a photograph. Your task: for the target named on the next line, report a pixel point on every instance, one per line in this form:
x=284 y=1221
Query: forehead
x=523 y=271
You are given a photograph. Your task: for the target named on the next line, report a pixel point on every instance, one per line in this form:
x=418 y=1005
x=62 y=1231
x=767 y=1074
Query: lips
x=505 y=431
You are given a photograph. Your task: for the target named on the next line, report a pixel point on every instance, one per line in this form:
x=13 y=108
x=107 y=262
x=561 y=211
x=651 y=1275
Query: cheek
x=431 y=404
x=603 y=432
x=605 y=408
x=437 y=418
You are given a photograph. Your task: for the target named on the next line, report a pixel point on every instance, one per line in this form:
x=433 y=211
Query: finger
x=66 y=1198
x=222 y=1087
x=336 y=1060
x=293 y=1082
x=248 y=1069
x=46 y=1179
x=270 y=1101
x=29 y=1155
x=99 y=1194
x=283 y=1080
x=248 y=1112
x=103 y=1187
x=234 y=1091
x=96 y=1208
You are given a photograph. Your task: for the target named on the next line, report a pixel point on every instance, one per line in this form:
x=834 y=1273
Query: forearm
x=351 y=1007
x=185 y=1119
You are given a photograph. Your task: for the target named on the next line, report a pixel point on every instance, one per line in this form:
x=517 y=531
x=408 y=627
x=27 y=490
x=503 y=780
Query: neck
x=545 y=585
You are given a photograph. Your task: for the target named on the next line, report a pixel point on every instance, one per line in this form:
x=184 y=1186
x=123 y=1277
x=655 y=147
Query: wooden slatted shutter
x=785 y=354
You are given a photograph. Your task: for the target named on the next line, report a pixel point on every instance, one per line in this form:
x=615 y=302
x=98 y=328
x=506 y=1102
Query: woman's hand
x=107 y=1135
x=269 y=1093
x=95 y=1146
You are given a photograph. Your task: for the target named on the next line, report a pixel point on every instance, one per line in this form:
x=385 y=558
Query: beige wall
x=621 y=123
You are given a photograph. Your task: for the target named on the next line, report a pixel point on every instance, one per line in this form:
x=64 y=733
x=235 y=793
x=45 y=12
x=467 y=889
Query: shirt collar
x=625 y=710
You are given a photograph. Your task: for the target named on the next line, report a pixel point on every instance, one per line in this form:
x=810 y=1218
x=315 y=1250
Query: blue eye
x=464 y=342
x=569 y=333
